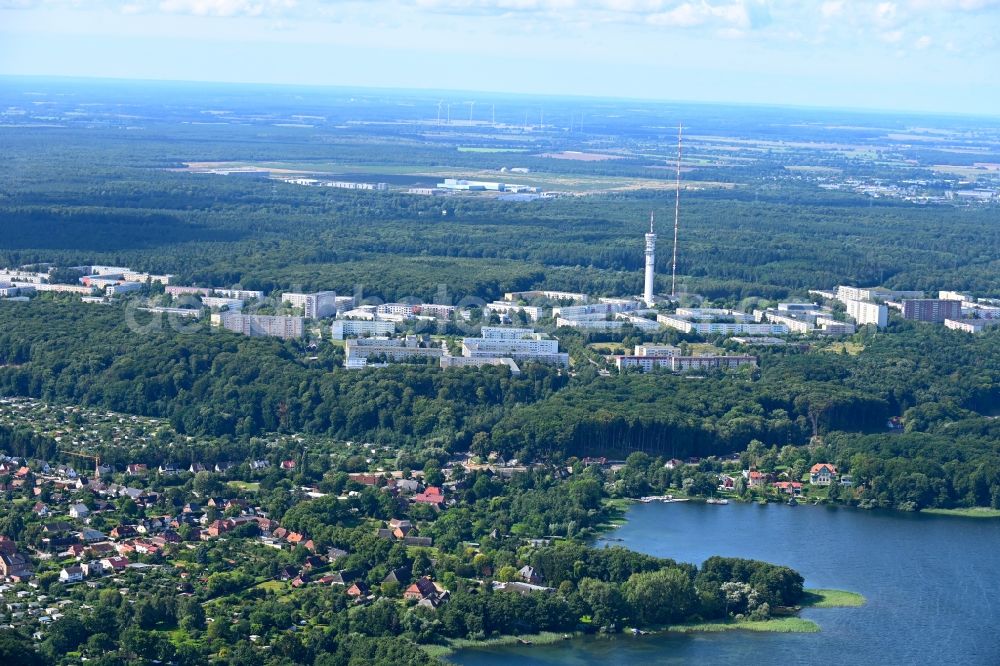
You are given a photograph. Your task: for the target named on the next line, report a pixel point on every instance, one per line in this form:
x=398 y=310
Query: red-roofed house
x=790 y=487
x=422 y=589
x=757 y=479
x=822 y=474
x=430 y=496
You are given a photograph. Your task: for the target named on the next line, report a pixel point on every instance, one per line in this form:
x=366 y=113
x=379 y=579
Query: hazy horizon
x=500 y=94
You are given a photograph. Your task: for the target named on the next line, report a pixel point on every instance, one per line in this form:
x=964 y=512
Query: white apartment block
x=790 y=323
x=317 y=305
x=521 y=344
x=136 y=276
x=361 y=312
x=983 y=311
x=845 y=294
x=261 y=325
x=955 y=296
x=12 y=275
x=175 y=290
x=722 y=328
x=865 y=312
x=242 y=294
x=829 y=326
x=105 y=270
x=799 y=307
x=479 y=361
x=616 y=305
x=179 y=312
x=598 y=324
x=392 y=349
x=504 y=307
x=220 y=302
x=971 y=325
x=645 y=363
x=344 y=328
x=683 y=363
x=713 y=313
x=406 y=310
x=11 y=290
x=123 y=288
x=65 y=288
x=657 y=351
x=506 y=333
x=543 y=293
x=435 y=310
x=641 y=323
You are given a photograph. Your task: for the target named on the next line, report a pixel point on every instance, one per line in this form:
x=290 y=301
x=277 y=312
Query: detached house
x=822 y=474
x=72 y=574
x=79 y=511
x=431 y=496
x=757 y=479
x=421 y=589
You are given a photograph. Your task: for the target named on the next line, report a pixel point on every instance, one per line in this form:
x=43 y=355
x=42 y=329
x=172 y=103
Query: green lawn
x=832 y=599
x=243 y=485
x=271 y=585
x=783 y=625
x=967 y=512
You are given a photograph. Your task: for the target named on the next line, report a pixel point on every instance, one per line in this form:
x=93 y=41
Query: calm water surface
x=932 y=585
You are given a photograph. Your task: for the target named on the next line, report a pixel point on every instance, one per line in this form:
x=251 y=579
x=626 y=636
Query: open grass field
x=833 y=599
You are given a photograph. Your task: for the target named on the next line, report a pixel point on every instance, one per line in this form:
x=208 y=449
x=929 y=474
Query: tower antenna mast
x=677 y=214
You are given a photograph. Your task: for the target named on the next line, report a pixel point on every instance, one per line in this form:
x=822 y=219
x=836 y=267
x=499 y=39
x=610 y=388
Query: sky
x=905 y=55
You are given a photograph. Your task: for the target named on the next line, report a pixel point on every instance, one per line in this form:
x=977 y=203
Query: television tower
x=650 y=262
x=677 y=216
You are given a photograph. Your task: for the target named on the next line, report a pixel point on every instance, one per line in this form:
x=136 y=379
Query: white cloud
x=225 y=8
x=886 y=13
x=891 y=36
x=691 y=14
x=954 y=5
x=923 y=42
x=831 y=9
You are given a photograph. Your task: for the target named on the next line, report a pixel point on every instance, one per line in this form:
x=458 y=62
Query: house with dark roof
x=422 y=588
x=529 y=575
x=399 y=575
x=357 y=589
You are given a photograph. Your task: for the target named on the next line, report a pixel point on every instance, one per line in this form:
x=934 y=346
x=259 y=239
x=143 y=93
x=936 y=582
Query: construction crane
x=96 y=459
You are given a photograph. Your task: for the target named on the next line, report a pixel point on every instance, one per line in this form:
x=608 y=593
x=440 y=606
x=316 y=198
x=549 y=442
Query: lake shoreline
x=621 y=505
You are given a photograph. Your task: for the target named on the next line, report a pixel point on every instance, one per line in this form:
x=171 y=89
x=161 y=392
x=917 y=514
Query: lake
x=932 y=585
